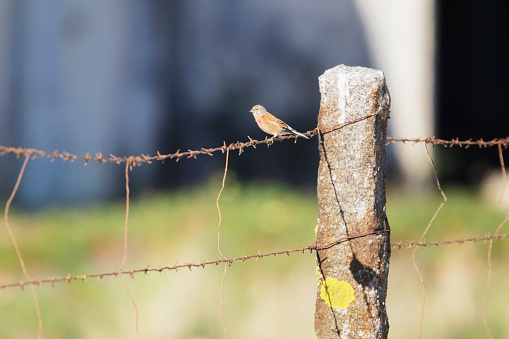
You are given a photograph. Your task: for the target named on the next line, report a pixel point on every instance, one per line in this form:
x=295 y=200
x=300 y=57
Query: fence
x=352 y=254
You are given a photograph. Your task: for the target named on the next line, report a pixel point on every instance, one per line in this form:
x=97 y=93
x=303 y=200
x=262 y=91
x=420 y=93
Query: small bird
x=272 y=125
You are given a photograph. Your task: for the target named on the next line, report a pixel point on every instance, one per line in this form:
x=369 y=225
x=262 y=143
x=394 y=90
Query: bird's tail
x=291 y=130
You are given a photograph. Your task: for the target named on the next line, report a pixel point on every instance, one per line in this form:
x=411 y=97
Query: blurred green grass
x=266 y=298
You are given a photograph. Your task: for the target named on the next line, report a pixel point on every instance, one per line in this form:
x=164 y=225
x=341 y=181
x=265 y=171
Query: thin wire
x=219 y=242
x=422 y=239
x=485 y=296
x=15 y=243
x=124 y=258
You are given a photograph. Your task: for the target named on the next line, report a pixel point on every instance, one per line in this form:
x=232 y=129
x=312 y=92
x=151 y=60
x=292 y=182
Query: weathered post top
x=353 y=274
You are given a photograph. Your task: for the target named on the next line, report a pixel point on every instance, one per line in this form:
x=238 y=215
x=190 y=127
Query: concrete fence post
x=353 y=234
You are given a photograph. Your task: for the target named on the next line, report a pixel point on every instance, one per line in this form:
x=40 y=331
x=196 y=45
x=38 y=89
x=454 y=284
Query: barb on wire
x=229 y=261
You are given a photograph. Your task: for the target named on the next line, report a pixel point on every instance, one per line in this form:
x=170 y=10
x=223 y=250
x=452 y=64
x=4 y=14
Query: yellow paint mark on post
x=337 y=294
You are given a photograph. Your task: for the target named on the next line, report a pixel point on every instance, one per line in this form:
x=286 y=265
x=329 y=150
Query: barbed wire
x=412 y=243
x=139 y=159
x=453 y=142
x=229 y=261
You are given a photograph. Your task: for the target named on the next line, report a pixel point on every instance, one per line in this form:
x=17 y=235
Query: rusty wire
x=453 y=142
x=229 y=261
x=139 y=159
x=412 y=243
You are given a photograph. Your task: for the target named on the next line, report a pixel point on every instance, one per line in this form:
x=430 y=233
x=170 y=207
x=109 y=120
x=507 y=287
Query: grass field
x=266 y=298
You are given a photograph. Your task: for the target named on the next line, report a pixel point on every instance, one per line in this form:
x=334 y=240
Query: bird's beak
x=251 y=111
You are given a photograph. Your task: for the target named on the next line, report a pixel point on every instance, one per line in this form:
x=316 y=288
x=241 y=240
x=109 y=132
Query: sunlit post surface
x=352 y=274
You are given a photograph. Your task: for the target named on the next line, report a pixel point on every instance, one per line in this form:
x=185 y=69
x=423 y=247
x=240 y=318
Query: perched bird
x=272 y=125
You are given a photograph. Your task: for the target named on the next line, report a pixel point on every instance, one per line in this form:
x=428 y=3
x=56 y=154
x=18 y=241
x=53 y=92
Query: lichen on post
x=353 y=273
